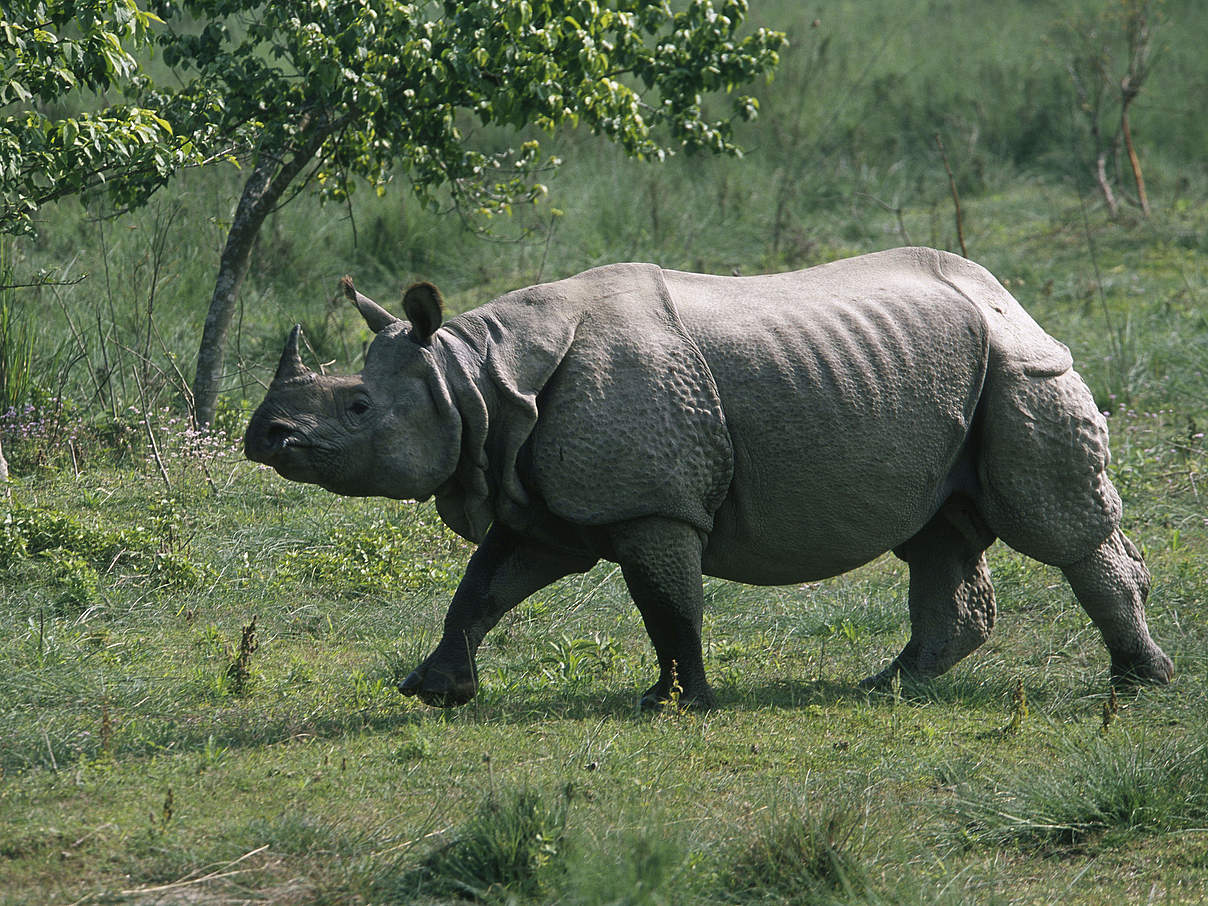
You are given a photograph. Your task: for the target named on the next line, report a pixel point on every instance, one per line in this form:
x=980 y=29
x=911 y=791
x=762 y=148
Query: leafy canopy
x=52 y=54
x=390 y=86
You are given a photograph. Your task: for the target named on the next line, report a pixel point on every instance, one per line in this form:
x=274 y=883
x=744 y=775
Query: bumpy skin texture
x=770 y=430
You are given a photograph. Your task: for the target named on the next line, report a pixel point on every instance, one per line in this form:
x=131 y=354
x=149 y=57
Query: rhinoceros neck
x=494 y=363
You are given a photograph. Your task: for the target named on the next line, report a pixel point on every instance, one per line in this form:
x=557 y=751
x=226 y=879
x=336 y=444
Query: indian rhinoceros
x=766 y=429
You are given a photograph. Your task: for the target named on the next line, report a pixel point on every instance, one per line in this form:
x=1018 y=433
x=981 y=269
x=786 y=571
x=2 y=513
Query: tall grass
x=16 y=337
x=510 y=847
x=800 y=858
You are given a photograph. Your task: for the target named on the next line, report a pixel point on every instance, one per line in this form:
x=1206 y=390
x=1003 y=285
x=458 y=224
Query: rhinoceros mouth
x=294 y=461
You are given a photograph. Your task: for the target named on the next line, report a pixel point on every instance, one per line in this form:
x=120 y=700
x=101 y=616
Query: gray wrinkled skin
x=770 y=430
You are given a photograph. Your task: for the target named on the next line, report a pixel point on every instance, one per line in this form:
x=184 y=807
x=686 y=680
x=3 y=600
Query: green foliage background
x=132 y=768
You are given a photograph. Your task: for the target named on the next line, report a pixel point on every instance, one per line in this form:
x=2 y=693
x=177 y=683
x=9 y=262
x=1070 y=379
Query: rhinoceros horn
x=291 y=365
x=375 y=316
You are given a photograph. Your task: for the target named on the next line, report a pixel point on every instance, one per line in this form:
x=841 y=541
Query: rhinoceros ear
x=375 y=316
x=425 y=310
x=291 y=366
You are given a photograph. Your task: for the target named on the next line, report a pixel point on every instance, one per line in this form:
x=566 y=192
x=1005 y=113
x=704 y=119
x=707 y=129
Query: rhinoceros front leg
x=660 y=559
x=505 y=570
x=952 y=606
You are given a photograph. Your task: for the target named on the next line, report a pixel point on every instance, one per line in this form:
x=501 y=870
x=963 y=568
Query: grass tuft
x=1119 y=785
x=511 y=846
x=802 y=859
x=239 y=672
x=650 y=866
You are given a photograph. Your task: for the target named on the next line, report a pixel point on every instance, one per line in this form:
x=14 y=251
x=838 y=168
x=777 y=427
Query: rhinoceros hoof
x=883 y=681
x=654 y=699
x=438 y=687
x=1148 y=669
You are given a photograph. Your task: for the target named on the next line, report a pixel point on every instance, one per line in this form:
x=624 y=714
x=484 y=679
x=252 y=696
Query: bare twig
x=43 y=280
x=163 y=224
x=409 y=843
x=50 y=750
x=1105 y=186
x=100 y=333
x=220 y=872
x=897 y=212
x=83 y=347
x=549 y=235
x=1139 y=34
x=956 y=199
x=1114 y=337
x=142 y=396
x=1133 y=160
x=182 y=383
x=117 y=363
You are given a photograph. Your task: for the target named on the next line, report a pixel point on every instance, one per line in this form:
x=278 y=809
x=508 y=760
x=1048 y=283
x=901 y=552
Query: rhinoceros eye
x=358 y=407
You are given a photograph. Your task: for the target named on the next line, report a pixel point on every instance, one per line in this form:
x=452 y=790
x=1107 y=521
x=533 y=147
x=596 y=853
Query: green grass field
x=197 y=700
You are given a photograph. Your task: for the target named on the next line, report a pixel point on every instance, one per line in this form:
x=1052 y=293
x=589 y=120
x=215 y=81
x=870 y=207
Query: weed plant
x=799 y=859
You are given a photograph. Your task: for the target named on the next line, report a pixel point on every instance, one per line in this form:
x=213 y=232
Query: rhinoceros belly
x=848 y=400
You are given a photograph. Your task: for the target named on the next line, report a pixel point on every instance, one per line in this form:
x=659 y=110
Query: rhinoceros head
x=389 y=431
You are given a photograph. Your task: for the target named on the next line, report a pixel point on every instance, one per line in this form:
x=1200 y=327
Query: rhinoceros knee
x=952 y=607
x=1042 y=461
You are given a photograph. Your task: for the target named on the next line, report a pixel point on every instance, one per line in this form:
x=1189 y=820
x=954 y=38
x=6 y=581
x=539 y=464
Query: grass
x=197 y=674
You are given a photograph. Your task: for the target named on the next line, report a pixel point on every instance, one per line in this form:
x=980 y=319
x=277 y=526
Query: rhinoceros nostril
x=276 y=434
x=279 y=435
x=273 y=437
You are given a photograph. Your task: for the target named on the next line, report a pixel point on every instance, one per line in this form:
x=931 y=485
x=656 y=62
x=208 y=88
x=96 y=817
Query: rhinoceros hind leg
x=660 y=559
x=951 y=599
x=1112 y=584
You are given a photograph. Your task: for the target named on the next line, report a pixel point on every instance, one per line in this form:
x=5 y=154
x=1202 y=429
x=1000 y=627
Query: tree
x=52 y=52
x=1106 y=87
x=331 y=93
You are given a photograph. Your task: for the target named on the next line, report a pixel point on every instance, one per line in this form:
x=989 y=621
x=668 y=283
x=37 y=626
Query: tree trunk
x=263 y=189
x=1142 y=197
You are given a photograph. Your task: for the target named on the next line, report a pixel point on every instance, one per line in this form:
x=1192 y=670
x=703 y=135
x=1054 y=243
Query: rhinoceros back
x=849 y=391
x=1017 y=343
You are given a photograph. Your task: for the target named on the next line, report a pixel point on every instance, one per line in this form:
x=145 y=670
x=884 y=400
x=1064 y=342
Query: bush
x=800 y=859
